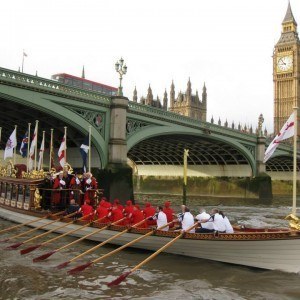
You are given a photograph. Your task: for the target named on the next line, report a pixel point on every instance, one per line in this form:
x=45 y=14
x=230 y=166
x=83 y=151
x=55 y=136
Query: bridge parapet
x=48 y=86
x=174 y=118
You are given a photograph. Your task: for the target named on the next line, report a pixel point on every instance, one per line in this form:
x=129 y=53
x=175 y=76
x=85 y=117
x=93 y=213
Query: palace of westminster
x=286 y=77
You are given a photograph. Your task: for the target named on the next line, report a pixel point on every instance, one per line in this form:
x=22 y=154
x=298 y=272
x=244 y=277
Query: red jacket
x=138 y=216
x=102 y=213
x=116 y=214
x=149 y=211
x=87 y=211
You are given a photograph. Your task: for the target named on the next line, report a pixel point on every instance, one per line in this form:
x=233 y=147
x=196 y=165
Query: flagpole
x=294 y=209
x=65 y=149
x=35 y=151
x=90 y=149
x=23 y=61
x=0 y=133
x=15 y=149
x=28 y=147
x=42 y=159
x=51 y=149
x=185 y=156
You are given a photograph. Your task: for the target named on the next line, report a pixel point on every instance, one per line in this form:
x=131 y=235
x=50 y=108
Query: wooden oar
x=46 y=255
x=102 y=244
x=32 y=248
x=32 y=230
x=17 y=245
x=124 y=275
x=29 y=222
x=84 y=266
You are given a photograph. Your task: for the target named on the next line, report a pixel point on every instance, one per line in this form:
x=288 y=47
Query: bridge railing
x=27 y=81
x=164 y=115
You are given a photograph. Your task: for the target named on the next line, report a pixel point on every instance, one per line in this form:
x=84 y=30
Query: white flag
x=32 y=148
x=287 y=131
x=10 y=145
x=42 y=149
x=61 y=152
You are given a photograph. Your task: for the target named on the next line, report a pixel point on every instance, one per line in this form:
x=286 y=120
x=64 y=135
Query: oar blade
x=44 y=256
x=63 y=265
x=14 y=246
x=79 y=268
x=119 y=279
x=30 y=249
x=4 y=241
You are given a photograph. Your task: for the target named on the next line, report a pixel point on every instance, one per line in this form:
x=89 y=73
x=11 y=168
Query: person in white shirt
x=161 y=218
x=228 y=226
x=217 y=220
x=186 y=219
x=206 y=227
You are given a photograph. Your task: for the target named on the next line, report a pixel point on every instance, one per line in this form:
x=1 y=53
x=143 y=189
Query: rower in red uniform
x=117 y=202
x=128 y=209
x=149 y=211
x=138 y=216
x=87 y=210
x=103 y=212
x=116 y=214
x=169 y=212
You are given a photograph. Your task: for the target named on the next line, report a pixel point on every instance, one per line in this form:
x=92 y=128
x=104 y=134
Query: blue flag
x=84 y=150
x=24 y=145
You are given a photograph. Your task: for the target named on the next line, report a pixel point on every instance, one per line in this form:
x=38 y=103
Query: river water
x=165 y=277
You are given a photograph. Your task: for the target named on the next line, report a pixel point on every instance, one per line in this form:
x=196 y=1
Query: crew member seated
x=206 y=227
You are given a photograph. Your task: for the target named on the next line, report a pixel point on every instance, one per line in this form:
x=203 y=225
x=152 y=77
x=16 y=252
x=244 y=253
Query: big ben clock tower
x=286 y=71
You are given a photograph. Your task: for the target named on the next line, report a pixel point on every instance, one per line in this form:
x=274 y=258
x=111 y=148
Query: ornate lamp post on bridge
x=121 y=68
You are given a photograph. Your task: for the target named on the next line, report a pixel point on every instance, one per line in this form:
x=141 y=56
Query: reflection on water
x=165 y=277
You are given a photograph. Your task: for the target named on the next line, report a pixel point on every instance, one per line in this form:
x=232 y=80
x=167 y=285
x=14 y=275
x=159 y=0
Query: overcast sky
x=226 y=44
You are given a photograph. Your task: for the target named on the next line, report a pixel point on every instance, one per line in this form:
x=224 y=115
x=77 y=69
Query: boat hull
x=270 y=250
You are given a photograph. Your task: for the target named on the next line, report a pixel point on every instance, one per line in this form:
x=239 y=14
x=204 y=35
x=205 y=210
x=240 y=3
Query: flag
x=286 y=132
x=10 y=145
x=84 y=150
x=42 y=149
x=24 y=145
x=61 y=152
x=32 y=148
x=24 y=54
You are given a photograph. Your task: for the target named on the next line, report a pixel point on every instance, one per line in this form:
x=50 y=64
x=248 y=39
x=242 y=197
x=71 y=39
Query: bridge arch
x=164 y=145
x=25 y=106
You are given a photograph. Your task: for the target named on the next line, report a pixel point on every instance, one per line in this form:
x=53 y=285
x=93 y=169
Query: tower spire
x=134 y=95
x=289 y=17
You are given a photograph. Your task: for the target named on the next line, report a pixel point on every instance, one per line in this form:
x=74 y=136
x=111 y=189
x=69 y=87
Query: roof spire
x=289 y=17
x=83 y=73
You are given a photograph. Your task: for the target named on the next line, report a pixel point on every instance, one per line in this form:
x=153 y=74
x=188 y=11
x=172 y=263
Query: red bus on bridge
x=85 y=84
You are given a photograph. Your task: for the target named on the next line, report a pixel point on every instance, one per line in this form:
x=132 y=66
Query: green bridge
x=150 y=140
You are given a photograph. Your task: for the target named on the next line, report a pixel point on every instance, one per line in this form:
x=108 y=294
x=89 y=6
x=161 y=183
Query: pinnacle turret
x=135 y=95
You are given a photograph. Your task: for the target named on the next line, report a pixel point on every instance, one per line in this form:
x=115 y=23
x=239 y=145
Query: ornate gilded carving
x=37 y=199
x=8 y=170
x=294 y=221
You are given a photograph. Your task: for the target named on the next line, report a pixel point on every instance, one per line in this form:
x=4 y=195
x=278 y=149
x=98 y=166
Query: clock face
x=285 y=63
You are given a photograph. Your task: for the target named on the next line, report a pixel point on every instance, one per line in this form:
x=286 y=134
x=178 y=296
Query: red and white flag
x=287 y=131
x=61 y=152
x=41 y=157
x=10 y=145
x=32 y=148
